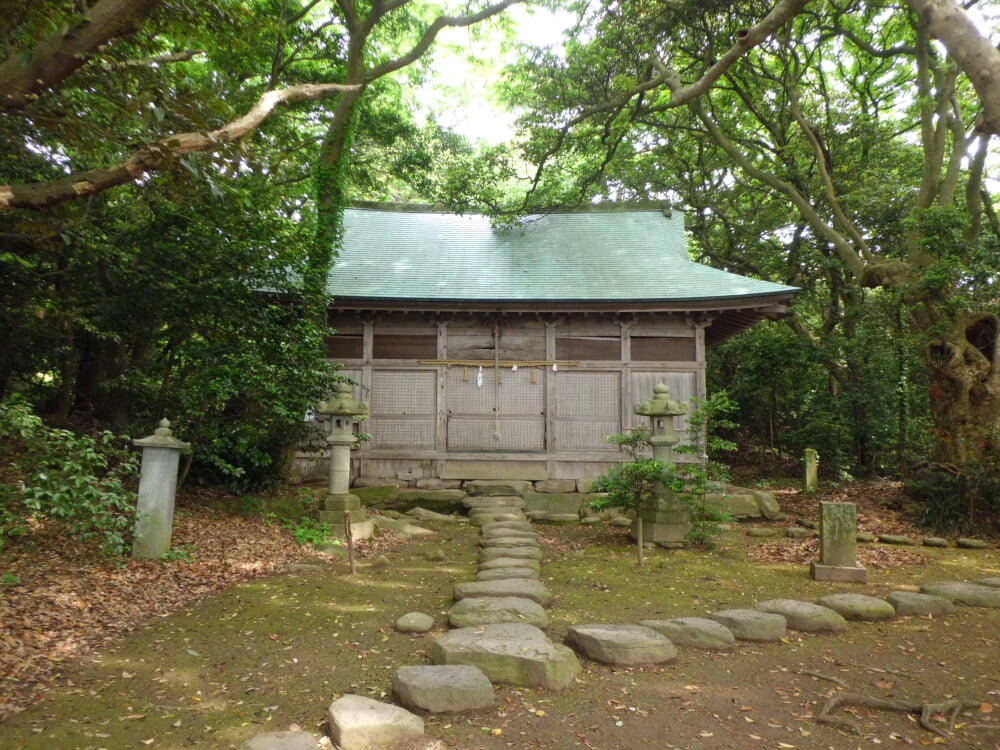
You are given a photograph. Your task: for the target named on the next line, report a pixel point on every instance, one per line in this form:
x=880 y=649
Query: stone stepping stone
x=498 y=487
x=499 y=574
x=808 y=523
x=441 y=688
x=282 y=741
x=805 y=616
x=798 y=532
x=506 y=501
x=357 y=722
x=694 y=632
x=966 y=543
x=859 y=607
x=934 y=541
x=968 y=594
x=760 y=532
x=491 y=610
x=423 y=514
x=509 y=541
x=912 y=603
x=525 y=587
x=898 y=539
x=516 y=525
x=485 y=518
x=525 y=553
x=509 y=562
x=414 y=622
x=491 y=532
x=621 y=644
x=620 y=521
x=510 y=654
x=752 y=624
x=864 y=536
x=989 y=581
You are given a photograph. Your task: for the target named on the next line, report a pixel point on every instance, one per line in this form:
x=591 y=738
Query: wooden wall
x=564 y=384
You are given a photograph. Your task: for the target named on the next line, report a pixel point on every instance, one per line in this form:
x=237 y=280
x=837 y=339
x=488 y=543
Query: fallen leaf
x=985 y=708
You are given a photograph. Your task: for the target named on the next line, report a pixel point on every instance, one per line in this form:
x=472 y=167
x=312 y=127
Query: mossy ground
x=272 y=653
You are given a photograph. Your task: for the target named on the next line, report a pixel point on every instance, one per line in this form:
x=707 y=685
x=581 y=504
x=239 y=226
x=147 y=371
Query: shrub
x=78 y=480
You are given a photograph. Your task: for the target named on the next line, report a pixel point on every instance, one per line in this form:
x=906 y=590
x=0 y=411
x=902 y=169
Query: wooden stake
x=350 y=540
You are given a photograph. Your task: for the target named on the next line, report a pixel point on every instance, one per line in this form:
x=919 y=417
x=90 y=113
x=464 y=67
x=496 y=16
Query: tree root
x=927 y=711
x=821 y=676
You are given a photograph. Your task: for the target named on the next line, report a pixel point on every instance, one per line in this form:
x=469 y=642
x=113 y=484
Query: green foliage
x=633 y=483
x=964 y=503
x=307 y=530
x=78 y=480
x=182 y=553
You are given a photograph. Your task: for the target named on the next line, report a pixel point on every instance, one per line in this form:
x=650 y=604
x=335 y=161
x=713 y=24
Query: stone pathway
x=497 y=635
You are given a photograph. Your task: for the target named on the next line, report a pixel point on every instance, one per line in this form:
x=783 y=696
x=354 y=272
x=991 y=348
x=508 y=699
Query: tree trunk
x=965 y=393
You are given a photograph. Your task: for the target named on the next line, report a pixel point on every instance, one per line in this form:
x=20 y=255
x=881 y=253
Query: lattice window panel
x=399 y=392
x=588 y=394
x=416 y=433
x=477 y=434
x=518 y=394
x=586 y=435
x=682 y=388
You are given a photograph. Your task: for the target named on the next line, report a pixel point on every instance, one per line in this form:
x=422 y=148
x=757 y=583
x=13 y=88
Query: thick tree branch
x=56 y=58
x=430 y=34
x=976 y=56
x=166 y=57
x=155 y=155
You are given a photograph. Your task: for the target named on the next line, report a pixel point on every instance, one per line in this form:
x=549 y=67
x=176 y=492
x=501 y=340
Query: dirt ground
x=272 y=653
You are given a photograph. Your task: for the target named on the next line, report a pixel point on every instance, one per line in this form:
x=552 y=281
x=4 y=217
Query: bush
x=78 y=480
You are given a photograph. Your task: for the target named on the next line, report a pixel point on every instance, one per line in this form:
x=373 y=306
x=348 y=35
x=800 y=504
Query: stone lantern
x=665 y=519
x=343 y=410
x=154 y=522
x=661 y=410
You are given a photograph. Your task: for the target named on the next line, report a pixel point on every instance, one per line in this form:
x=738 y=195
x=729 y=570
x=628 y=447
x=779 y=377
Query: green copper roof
x=581 y=256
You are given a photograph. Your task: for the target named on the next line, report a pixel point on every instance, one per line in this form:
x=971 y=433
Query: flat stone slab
x=523 y=587
x=414 y=622
x=752 y=624
x=509 y=541
x=912 y=603
x=492 y=531
x=443 y=688
x=497 y=487
x=934 y=541
x=556 y=485
x=511 y=654
x=966 y=543
x=498 y=574
x=621 y=644
x=798 y=532
x=282 y=741
x=864 y=536
x=482 y=519
x=515 y=525
x=805 y=616
x=357 y=722
x=492 y=610
x=509 y=562
x=509 y=501
x=694 y=632
x=423 y=514
x=525 y=553
x=989 y=581
x=859 y=607
x=761 y=532
x=838 y=573
x=967 y=594
x=896 y=539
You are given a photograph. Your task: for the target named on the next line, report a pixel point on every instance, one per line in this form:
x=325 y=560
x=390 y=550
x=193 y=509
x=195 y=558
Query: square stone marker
x=838 y=545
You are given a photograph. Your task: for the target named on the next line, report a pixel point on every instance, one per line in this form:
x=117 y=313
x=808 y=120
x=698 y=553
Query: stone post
x=838 y=545
x=812 y=469
x=664 y=520
x=154 y=522
x=343 y=410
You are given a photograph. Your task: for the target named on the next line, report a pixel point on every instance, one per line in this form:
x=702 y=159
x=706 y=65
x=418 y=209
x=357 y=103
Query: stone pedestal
x=154 y=522
x=838 y=546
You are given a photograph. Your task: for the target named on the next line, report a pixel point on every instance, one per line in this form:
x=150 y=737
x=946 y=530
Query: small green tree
x=630 y=484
